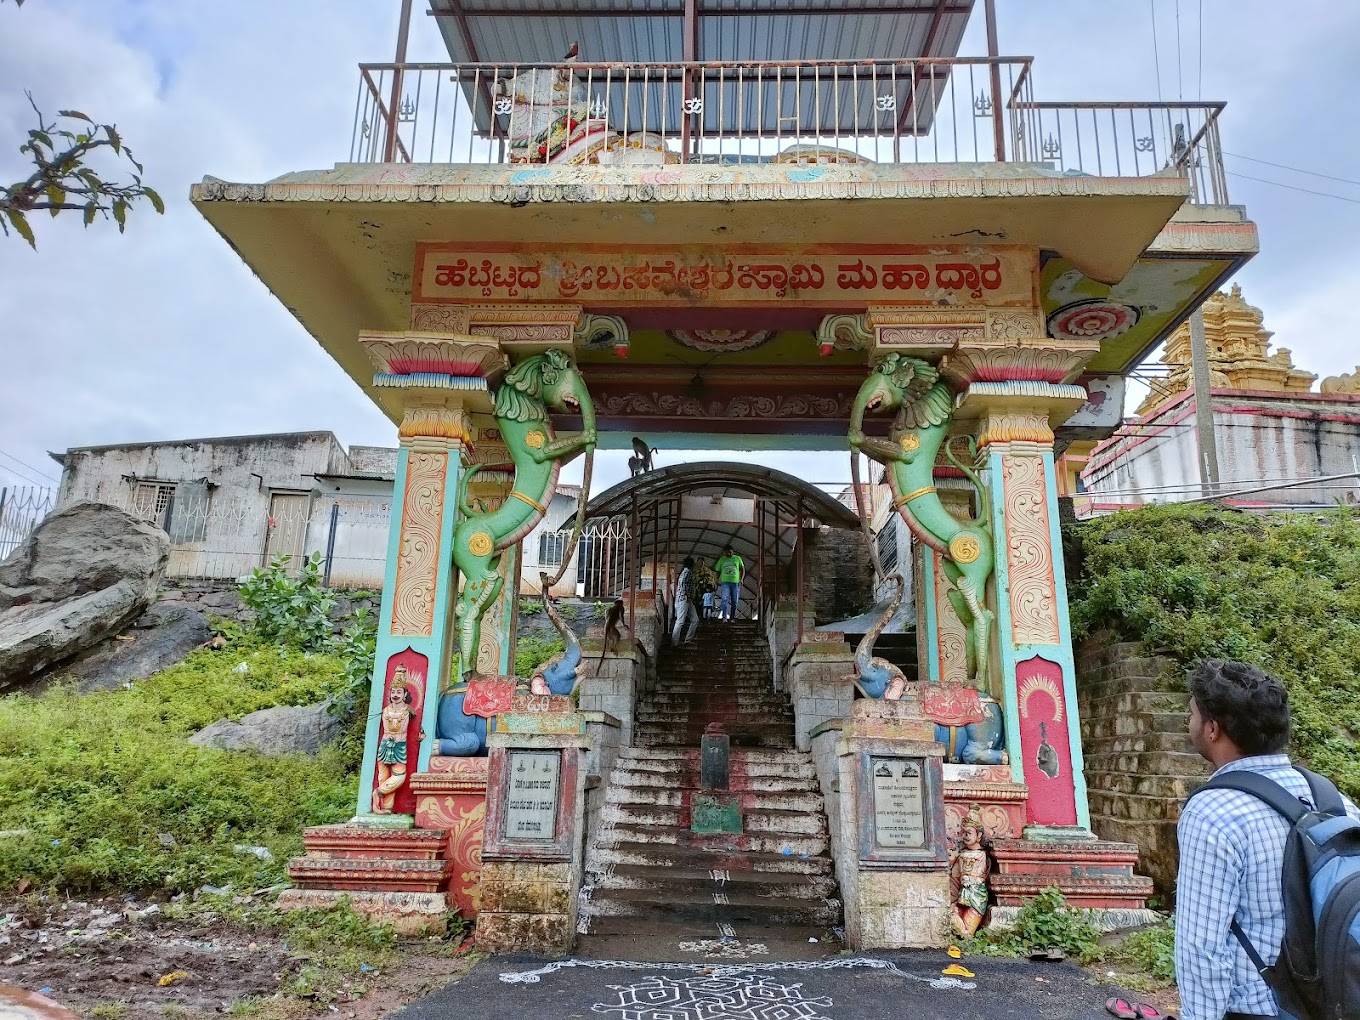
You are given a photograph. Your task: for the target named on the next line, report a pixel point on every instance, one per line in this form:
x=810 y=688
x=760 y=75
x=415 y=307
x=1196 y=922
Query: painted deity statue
x=924 y=403
x=392 y=743
x=547 y=381
x=969 y=870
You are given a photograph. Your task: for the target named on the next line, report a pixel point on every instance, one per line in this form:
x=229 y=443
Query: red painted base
x=1090 y=873
x=1000 y=802
x=452 y=797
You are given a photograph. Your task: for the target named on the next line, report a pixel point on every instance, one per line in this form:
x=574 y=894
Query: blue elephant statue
x=458 y=734
x=979 y=743
x=558 y=675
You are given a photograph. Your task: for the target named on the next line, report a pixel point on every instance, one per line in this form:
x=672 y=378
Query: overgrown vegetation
x=532 y=651
x=1150 y=956
x=1282 y=591
x=1044 y=923
x=103 y=791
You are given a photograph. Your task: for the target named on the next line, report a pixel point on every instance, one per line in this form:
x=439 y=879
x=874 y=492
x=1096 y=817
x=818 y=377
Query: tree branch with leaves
x=63 y=180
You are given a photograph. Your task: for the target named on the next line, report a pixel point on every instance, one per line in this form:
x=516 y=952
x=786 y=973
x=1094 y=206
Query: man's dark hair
x=1250 y=705
x=689 y=562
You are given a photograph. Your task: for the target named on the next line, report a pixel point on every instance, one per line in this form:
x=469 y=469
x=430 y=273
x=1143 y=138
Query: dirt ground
x=127 y=959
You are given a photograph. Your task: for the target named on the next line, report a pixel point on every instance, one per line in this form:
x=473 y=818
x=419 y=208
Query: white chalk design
x=703 y=997
x=529 y=977
x=726 y=949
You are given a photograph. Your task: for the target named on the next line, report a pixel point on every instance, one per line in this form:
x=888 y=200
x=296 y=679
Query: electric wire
x=1293 y=169
x=36 y=471
x=1293 y=187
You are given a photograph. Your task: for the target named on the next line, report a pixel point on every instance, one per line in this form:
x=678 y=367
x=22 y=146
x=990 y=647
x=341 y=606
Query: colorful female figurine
x=970 y=869
x=396 y=717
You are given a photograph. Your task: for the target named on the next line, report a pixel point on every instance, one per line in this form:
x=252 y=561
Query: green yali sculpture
x=547 y=381
x=924 y=403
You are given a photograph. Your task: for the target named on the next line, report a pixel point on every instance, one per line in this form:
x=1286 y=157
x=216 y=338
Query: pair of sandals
x=1126 y=1010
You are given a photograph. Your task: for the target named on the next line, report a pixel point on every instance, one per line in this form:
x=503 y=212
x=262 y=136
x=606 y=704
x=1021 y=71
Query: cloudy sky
x=162 y=333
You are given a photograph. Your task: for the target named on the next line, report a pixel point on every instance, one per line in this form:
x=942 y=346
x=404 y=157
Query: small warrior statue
x=969 y=870
x=396 y=717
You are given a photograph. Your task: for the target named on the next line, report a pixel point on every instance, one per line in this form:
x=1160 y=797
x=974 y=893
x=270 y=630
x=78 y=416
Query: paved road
x=888 y=986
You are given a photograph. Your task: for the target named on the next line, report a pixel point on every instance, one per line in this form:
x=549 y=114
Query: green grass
x=1281 y=591
x=105 y=792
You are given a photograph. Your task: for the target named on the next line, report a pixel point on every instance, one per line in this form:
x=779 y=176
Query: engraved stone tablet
x=899 y=803
x=531 y=805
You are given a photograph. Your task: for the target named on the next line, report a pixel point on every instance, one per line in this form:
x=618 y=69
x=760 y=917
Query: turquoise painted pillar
x=1033 y=633
x=415 y=626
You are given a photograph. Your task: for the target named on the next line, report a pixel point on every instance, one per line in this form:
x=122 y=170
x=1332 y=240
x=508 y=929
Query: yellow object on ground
x=955 y=970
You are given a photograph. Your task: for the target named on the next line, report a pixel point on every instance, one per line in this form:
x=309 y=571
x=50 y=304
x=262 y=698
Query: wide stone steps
x=679 y=880
x=630 y=852
x=767 y=821
x=725 y=843
x=770 y=716
x=664 y=737
x=682 y=797
x=642 y=784
x=645 y=865
x=716 y=908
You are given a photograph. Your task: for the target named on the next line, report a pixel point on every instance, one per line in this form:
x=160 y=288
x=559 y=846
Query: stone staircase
x=648 y=872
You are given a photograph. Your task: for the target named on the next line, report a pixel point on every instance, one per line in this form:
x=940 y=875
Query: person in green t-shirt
x=729 y=569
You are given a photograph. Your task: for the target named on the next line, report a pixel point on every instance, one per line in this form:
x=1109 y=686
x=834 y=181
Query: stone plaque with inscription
x=532 y=796
x=899 y=803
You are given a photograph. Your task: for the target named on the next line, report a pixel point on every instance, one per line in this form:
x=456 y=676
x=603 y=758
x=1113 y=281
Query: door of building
x=286 y=533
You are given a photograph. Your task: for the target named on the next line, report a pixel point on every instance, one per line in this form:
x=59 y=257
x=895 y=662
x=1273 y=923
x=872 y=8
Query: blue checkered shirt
x=1232 y=852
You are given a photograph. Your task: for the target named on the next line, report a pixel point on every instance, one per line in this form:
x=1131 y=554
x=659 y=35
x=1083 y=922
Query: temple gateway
x=793 y=227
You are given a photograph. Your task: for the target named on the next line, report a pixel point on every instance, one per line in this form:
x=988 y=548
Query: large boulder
x=272 y=731
x=83 y=548
x=85 y=573
x=160 y=637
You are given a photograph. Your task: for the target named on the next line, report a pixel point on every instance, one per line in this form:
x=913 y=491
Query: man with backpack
x=1263 y=846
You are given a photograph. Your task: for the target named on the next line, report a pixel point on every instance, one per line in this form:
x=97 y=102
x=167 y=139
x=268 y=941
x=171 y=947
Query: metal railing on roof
x=797 y=111
x=960 y=110
x=1128 y=140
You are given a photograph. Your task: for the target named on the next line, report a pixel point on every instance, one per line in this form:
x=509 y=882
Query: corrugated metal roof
x=528 y=31
x=650 y=31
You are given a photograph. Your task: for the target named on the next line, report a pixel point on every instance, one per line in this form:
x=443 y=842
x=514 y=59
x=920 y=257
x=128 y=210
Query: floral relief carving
x=439 y=318
x=953 y=644
x=418 y=547
x=1029 y=553
x=1013 y=325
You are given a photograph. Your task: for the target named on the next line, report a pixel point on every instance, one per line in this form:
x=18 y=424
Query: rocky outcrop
x=272 y=731
x=85 y=573
x=160 y=637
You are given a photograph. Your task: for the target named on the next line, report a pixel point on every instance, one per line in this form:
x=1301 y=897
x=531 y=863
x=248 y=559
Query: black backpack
x=1317 y=975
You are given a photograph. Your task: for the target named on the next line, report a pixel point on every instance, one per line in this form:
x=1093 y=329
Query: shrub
x=1044 y=922
x=1152 y=951
x=290 y=611
x=1281 y=591
x=532 y=651
x=105 y=792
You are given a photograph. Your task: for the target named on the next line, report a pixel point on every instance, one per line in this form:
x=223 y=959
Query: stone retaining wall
x=1140 y=764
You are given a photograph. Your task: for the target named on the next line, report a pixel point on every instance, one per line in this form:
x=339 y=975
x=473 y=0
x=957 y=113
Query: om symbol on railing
x=694 y=104
x=888 y=102
x=503 y=105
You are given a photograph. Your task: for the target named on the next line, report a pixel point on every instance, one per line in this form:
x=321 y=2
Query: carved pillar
x=941 y=638
x=415 y=624
x=496 y=650
x=1017 y=390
